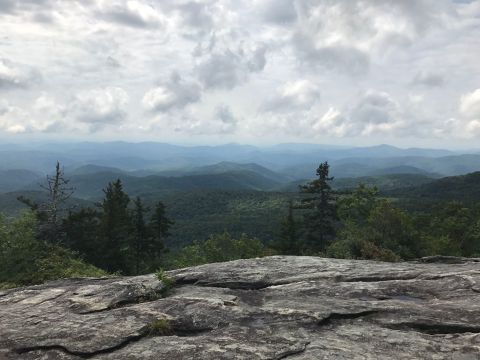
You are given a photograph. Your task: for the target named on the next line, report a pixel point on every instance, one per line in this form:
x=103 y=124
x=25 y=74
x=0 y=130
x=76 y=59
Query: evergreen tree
x=160 y=229
x=82 y=234
x=140 y=236
x=321 y=210
x=287 y=243
x=115 y=228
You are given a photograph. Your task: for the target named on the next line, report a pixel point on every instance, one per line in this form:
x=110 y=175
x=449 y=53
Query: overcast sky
x=405 y=72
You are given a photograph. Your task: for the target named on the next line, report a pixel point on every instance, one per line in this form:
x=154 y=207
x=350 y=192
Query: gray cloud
x=269 y=60
x=279 y=11
x=130 y=13
x=428 y=79
x=228 y=69
x=345 y=59
x=100 y=107
x=228 y=121
x=175 y=93
x=12 y=6
x=15 y=75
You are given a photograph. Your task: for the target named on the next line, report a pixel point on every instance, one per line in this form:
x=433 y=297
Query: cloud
x=292 y=96
x=428 y=79
x=225 y=121
x=12 y=119
x=375 y=113
x=227 y=69
x=175 y=93
x=196 y=16
x=16 y=76
x=266 y=61
x=345 y=59
x=100 y=107
x=469 y=123
x=470 y=105
x=12 y=6
x=280 y=12
x=131 y=13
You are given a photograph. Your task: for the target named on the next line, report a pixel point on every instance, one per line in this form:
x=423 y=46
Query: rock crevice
x=271 y=308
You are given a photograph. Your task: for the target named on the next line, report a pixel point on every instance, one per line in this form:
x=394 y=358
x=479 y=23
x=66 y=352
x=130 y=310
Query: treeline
x=122 y=235
x=362 y=225
x=118 y=235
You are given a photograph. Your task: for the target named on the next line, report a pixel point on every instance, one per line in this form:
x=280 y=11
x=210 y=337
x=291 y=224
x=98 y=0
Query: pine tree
x=321 y=210
x=160 y=229
x=288 y=243
x=140 y=236
x=82 y=234
x=115 y=228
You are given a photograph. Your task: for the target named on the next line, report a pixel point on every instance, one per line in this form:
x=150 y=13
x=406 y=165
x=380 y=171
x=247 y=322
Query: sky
x=258 y=71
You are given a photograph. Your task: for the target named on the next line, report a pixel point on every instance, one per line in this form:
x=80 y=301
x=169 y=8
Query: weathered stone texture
x=270 y=308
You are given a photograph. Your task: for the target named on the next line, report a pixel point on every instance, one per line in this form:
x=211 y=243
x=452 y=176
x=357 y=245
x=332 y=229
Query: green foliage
x=319 y=220
x=160 y=327
x=115 y=228
x=288 y=242
x=218 y=248
x=28 y=260
x=167 y=281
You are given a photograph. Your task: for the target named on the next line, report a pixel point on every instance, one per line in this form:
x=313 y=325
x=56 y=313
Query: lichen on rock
x=270 y=308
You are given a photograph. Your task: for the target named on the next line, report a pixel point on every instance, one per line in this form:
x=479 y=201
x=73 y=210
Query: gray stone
x=271 y=308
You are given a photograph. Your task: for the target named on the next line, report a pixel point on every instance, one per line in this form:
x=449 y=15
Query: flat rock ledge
x=280 y=307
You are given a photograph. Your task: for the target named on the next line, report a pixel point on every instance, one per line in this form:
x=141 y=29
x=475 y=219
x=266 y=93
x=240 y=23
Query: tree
x=287 y=243
x=25 y=259
x=219 y=248
x=49 y=213
x=82 y=234
x=356 y=207
x=140 y=236
x=321 y=214
x=115 y=228
x=159 y=227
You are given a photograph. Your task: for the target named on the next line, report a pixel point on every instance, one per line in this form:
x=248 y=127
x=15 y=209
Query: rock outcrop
x=269 y=308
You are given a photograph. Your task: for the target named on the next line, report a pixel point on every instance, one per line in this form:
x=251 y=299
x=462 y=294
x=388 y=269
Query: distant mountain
x=383 y=182
x=226 y=166
x=403 y=169
x=461 y=188
x=9 y=204
x=11 y=180
x=368 y=166
x=89 y=186
x=154 y=157
x=93 y=169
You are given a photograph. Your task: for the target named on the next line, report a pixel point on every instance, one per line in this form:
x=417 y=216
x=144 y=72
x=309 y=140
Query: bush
x=218 y=248
x=26 y=260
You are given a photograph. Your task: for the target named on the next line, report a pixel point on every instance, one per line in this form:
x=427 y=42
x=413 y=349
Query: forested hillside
x=134 y=224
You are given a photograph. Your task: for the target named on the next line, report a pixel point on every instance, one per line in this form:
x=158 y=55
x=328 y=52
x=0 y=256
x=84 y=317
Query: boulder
x=279 y=307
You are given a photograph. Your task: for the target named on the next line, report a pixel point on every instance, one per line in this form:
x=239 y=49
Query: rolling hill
x=461 y=188
x=11 y=180
x=89 y=186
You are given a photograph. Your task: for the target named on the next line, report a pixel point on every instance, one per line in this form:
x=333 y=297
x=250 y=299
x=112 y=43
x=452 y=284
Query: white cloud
x=14 y=75
x=469 y=123
x=130 y=13
x=100 y=107
x=176 y=93
x=266 y=61
x=299 y=94
x=12 y=119
x=470 y=104
x=229 y=68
